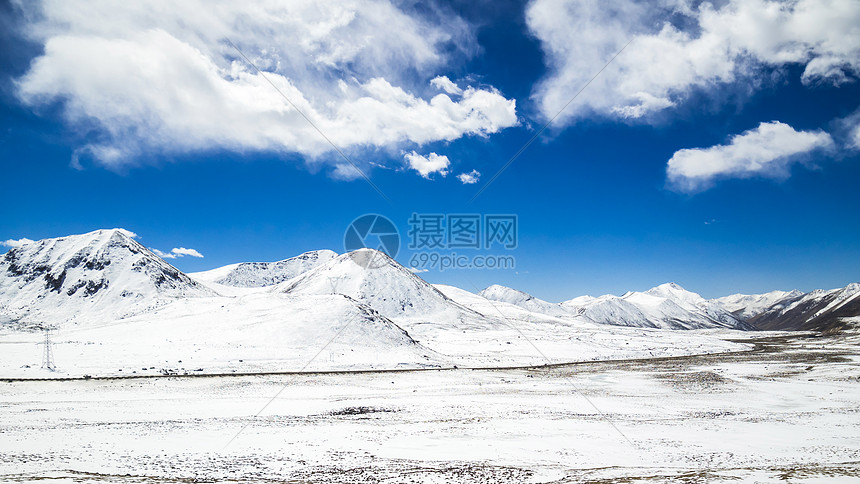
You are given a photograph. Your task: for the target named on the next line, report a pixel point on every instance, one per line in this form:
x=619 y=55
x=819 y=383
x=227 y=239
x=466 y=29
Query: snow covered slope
x=523 y=300
x=261 y=274
x=747 y=306
x=609 y=309
x=361 y=310
x=528 y=336
x=667 y=306
x=493 y=308
x=257 y=332
x=818 y=310
x=101 y=275
x=371 y=277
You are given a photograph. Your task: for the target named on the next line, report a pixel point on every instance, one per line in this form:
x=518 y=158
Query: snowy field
x=787 y=411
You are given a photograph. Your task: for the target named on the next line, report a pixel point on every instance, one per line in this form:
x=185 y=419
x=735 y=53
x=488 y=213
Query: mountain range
x=121 y=308
x=819 y=310
x=106 y=274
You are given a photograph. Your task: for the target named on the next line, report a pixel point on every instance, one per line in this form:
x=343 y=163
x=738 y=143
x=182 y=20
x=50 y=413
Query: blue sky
x=723 y=160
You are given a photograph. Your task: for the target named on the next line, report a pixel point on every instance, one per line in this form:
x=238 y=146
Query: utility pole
x=48 y=355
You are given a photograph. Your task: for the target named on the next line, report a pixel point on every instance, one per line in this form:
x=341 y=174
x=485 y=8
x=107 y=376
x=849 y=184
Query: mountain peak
x=105 y=234
x=748 y=306
x=524 y=300
x=121 y=231
x=261 y=274
x=85 y=276
x=852 y=288
x=669 y=286
x=817 y=310
x=372 y=277
x=675 y=292
x=501 y=293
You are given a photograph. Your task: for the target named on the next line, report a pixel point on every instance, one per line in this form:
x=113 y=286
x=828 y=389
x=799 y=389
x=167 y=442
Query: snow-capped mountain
x=261 y=274
x=523 y=300
x=747 y=306
x=371 y=277
x=668 y=306
x=818 y=310
x=101 y=275
x=608 y=309
x=357 y=310
x=106 y=289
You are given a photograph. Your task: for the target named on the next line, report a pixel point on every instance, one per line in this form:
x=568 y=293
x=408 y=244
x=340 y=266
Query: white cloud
x=646 y=103
x=848 y=130
x=469 y=178
x=445 y=84
x=768 y=151
x=16 y=243
x=343 y=171
x=182 y=251
x=160 y=77
x=704 y=47
x=427 y=165
x=177 y=252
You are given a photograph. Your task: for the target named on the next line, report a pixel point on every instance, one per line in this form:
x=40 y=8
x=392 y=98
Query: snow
x=524 y=300
x=354 y=369
x=363 y=316
x=749 y=305
x=668 y=306
x=252 y=333
x=841 y=297
x=356 y=311
x=579 y=301
x=373 y=278
x=261 y=274
x=98 y=276
x=822 y=301
x=762 y=418
x=214 y=275
x=677 y=294
x=527 y=334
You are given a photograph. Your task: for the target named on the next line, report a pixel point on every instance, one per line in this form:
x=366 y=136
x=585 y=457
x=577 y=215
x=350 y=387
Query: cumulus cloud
x=161 y=77
x=427 y=165
x=768 y=151
x=177 y=252
x=343 y=171
x=848 y=131
x=469 y=178
x=445 y=84
x=16 y=243
x=182 y=251
x=679 y=46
